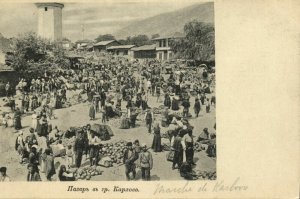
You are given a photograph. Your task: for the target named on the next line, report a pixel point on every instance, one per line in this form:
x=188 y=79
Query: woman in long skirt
x=17 y=119
x=197 y=107
x=156 y=144
x=92 y=112
x=34 y=120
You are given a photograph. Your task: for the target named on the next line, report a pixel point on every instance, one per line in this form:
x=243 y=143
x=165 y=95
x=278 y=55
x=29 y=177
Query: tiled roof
x=104 y=43
x=145 y=47
x=121 y=47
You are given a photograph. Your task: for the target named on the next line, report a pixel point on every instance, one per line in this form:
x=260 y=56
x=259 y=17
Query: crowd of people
x=106 y=87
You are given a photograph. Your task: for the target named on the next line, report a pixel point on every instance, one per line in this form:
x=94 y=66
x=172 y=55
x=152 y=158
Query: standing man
x=33 y=173
x=178 y=148
x=197 y=107
x=149 y=119
x=145 y=162
x=79 y=148
x=129 y=158
x=49 y=164
x=7 y=89
x=186 y=106
x=188 y=147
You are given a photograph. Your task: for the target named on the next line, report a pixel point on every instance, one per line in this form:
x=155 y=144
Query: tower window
x=46 y=9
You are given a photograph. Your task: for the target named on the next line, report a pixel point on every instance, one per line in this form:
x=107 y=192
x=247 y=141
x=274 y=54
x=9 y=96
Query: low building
x=83 y=43
x=121 y=50
x=67 y=44
x=103 y=45
x=144 y=52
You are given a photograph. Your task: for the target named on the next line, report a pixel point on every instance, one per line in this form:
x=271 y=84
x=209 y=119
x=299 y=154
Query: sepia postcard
x=123 y=99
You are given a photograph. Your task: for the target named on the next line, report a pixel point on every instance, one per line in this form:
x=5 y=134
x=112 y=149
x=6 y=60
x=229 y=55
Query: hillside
x=169 y=23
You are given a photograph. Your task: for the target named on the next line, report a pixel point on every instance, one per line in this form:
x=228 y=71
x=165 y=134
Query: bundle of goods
x=114 y=151
x=125 y=123
x=198 y=147
x=158 y=110
x=68 y=141
x=206 y=175
x=178 y=114
x=57 y=152
x=103 y=131
x=87 y=172
x=167 y=134
x=166 y=147
x=71 y=132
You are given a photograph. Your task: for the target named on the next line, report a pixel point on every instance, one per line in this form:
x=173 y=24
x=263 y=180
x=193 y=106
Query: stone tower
x=50 y=20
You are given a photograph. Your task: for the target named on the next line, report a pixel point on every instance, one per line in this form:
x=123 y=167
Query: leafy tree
x=27 y=48
x=139 y=40
x=57 y=56
x=31 y=54
x=66 y=39
x=105 y=37
x=198 y=44
x=123 y=42
x=155 y=36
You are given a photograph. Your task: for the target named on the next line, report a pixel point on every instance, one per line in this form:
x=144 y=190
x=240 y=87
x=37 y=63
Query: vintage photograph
x=108 y=91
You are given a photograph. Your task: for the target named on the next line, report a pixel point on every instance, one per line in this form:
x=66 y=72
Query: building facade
x=123 y=50
x=163 y=49
x=50 y=20
x=144 y=52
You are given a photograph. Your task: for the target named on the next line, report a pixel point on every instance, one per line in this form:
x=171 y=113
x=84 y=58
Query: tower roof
x=60 y=5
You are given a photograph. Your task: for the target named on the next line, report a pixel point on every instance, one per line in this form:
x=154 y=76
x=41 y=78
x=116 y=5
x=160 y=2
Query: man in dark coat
x=149 y=119
x=186 y=106
x=102 y=98
x=197 y=107
x=175 y=106
x=177 y=147
x=33 y=173
x=79 y=147
x=167 y=101
x=130 y=157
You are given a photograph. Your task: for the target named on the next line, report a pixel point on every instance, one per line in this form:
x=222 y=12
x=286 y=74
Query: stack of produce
x=87 y=172
x=115 y=151
x=206 y=175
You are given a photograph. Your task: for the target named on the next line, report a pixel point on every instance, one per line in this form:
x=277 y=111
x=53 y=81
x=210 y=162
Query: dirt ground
x=77 y=115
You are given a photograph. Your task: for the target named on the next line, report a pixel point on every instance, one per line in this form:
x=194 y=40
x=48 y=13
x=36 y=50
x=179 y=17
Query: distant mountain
x=169 y=23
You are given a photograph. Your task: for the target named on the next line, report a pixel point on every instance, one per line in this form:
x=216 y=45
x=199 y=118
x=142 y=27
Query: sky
x=105 y=17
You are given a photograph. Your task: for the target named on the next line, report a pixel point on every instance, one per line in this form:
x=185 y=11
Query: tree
x=26 y=49
x=33 y=55
x=123 y=42
x=198 y=44
x=57 y=56
x=155 y=36
x=139 y=40
x=105 y=37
